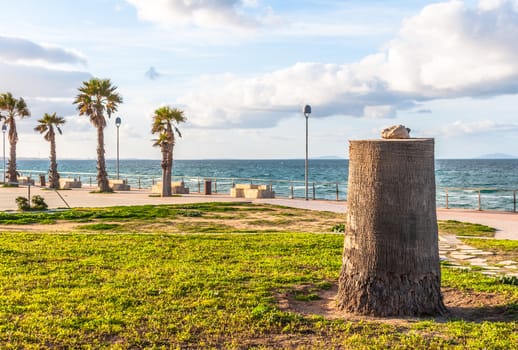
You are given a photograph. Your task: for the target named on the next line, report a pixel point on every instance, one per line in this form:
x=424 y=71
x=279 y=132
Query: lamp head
x=4 y=128
x=307 y=110
x=118 y=121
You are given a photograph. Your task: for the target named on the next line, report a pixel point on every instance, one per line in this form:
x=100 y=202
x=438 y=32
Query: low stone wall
x=67 y=183
x=252 y=191
x=177 y=187
x=25 y=180
x=119 y=185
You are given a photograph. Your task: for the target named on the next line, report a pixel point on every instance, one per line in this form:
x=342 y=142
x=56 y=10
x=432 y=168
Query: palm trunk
x=102 y=175
x=13 y=139
x=166 y=176
x=53 y=171
x=170 y=166
x=390 y=260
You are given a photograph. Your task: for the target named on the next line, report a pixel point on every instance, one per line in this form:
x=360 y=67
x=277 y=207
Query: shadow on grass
x=499 y=313
x=309 y=300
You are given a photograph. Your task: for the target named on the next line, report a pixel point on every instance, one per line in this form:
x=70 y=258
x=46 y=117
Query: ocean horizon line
x=251 y=159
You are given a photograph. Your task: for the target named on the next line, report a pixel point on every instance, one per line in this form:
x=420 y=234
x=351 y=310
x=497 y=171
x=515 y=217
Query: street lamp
x=4 y=129
x=117 y=124
x=307 y=112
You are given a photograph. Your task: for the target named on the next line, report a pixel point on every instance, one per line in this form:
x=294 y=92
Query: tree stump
x=390 y=261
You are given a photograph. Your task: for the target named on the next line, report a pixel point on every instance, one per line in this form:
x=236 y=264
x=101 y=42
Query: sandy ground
x=506 y=223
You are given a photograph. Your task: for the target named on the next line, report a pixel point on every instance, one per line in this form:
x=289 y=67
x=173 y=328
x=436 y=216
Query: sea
x=488 y=184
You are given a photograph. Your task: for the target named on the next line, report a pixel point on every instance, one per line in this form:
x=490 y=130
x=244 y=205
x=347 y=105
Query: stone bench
x=67 y=183
x=25 y=180
x=119 y=185
x=177 y=187
x=252 y=191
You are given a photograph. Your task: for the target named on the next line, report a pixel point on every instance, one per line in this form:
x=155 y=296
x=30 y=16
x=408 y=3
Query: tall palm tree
x=164 y=119
x=46 y=126
x=96 y=98
x=14 y=108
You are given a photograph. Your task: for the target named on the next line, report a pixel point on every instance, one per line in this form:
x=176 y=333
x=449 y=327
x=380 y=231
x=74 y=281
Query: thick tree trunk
x=391 y=257
x=12 y=174
x=170 y=167
x=53 y=171
x=102 y=175
x=166 y=175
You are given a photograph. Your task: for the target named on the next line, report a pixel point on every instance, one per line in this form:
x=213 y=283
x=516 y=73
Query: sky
x=242 y=70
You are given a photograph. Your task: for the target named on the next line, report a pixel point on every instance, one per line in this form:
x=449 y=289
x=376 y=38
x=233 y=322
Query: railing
x=447 y=197
x=477 y=198
x=283 y=188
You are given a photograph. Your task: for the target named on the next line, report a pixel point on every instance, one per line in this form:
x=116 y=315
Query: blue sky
x=243 y=69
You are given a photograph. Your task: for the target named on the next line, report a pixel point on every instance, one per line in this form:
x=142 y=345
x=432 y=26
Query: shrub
x=38 y=203
x=22 y=203
x=338 y=228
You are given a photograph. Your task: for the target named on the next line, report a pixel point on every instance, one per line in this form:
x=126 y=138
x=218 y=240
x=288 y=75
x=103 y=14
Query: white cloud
x=22 y=51
x=483 y=127
x=379 y=112
x=448 y=50
x=46 y=77
x=203 y=13
x=487 y=5
x=39 y=82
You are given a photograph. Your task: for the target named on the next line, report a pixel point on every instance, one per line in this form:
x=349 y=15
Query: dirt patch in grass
x=243 y=218
x=468 y=306
x=60 y=227
x=477 y=306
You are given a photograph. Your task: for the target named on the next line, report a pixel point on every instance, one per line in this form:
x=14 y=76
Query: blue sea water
x=495 y=178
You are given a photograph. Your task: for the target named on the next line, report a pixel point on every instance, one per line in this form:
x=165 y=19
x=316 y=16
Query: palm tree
x=46 y=126
x=163 y=124
x=14 y=108
x=97 y=97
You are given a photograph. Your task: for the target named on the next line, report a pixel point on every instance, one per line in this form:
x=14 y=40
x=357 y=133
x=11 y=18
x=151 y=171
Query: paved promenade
x=505 y=223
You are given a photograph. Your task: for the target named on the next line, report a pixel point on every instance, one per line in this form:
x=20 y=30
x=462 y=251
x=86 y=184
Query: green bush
x=38 y=203
x=338 y=228
x=22 y=203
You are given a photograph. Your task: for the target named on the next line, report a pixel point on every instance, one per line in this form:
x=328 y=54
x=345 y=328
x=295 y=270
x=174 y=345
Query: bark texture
x=53 y=171
x=169 y=169
x=166 y=170
x=102 y=175
x=12 y=173
x=391 y=257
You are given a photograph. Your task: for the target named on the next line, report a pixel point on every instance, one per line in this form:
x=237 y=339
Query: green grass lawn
x=116 y=289
x=465 y=229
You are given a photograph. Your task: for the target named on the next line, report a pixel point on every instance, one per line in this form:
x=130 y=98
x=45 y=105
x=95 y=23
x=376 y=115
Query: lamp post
x=4 y=129
x=307 y=112
x=117 y=124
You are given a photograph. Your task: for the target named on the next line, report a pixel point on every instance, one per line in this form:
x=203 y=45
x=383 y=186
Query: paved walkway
x=505 y=223
x=462 y=256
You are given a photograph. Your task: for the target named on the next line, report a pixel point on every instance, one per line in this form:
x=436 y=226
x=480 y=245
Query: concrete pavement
x=505 y=223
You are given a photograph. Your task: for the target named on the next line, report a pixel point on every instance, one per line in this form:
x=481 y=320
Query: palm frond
x=48 y=123
x=96 y=98
x=161 y=140
x=164 y=118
